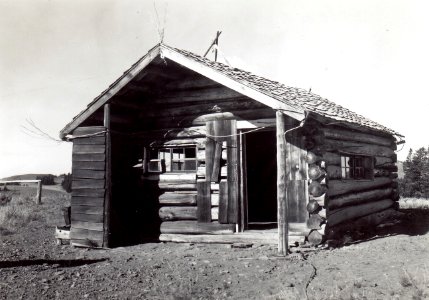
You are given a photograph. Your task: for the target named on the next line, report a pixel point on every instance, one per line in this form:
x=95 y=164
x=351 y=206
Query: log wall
x=337 y=203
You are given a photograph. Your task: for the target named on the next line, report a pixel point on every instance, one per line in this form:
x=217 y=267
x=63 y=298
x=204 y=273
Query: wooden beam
x=281 y=185
x=107 y=199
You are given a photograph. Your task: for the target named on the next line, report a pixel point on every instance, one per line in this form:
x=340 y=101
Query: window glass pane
x=177 y=166
x=153 y=154
x=190 y=153
x=190 y=165
x=164 y=153
x=177 y=153
x=154 y=166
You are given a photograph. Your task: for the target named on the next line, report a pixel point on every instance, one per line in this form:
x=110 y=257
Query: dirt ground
x=393 y=264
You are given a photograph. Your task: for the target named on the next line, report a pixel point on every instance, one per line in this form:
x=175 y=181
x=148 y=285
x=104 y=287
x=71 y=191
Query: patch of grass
x=414 y=203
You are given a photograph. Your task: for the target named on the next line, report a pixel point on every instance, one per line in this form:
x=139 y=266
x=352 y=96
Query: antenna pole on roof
x=215 y=42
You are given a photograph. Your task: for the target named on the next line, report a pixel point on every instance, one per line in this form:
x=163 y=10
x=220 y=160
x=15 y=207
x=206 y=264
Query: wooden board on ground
x=264 y=239
x=193 y=227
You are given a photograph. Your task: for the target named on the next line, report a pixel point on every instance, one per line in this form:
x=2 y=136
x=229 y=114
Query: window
x=178 y=159
x=357 y=167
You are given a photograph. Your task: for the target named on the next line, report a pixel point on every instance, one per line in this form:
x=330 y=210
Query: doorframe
x=243 y=224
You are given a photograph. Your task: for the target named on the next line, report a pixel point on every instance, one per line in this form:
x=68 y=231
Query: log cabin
x=181 y=148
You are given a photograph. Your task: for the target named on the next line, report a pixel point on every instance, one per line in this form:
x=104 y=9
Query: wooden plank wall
x=88 y=187
x=339 y=205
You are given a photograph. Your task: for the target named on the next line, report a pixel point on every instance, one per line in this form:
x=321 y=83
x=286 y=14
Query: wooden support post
x=108 y=194
x=39 y=192
x=281 y=185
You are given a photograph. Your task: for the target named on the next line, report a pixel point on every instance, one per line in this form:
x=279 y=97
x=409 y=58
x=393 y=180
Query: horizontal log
x=89 y=149
x=331 y=158
x=189 y=84
x=201 y=155
x=170 y=213
x=357 y=148
x=80 y=157
x=381 y=173
x=240 y=114
x=393 y=175
x=215 y=213
x=341 y=187
x=359 y=197
x=87 y=225
x=198 y=108
x=174 y=133
x=88 y=174
x=88 y=165
x=351 y=126
x=215 y=199
x=389 y=167
x=171 y=198
x=193 y=227
x=87 y=201
x=351 y=135
x=83 y=234
x=86 y=218
x=166 y=177
x=381 y=160
x=85 y=209
x=179 y=186
x=334 y=172
x=365 y=222
x=88 y=183
x=200 y=142
x=95 y=140
x=341 y=215
x=242 y=237
x=257 y=123
x=201 y=171
x=216 y=93
x=88 y=130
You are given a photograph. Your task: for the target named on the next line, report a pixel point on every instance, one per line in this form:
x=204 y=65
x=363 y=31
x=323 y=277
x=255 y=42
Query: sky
x=370 y=56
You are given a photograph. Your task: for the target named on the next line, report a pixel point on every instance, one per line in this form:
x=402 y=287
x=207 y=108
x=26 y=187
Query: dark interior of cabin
x=261 y=179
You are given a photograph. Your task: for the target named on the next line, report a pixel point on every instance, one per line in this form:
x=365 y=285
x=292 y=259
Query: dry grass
x=414 y=203
x=18 y=208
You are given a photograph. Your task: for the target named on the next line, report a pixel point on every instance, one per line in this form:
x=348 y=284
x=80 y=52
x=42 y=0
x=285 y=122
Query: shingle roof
x=293 y=96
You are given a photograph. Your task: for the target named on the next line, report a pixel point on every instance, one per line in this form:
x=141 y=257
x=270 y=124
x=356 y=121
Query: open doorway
x=261 y=180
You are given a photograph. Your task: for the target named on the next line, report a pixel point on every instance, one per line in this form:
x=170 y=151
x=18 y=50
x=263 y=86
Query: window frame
x=352 y=164
x=165 y=165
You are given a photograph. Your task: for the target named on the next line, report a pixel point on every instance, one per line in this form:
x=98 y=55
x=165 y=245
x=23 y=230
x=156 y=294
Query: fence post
x=39 y=192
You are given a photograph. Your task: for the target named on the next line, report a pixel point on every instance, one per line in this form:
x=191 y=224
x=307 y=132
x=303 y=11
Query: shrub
x=67 y=183
x=47 y=179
